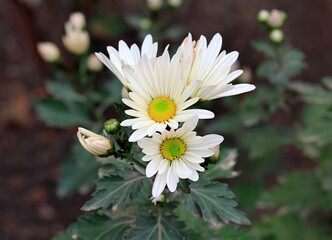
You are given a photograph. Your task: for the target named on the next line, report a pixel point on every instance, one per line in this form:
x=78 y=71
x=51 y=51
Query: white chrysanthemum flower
x=159 y=97
x=127 y=56
x=176 y=154
x=204 y=62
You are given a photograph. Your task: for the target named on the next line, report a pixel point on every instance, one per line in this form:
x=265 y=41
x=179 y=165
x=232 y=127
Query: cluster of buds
x=273 y=21
x=77 y=39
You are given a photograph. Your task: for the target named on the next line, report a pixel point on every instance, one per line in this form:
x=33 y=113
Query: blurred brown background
x=30 y=152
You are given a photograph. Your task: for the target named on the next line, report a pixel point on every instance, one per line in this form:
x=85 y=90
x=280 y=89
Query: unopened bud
x=112 y=126
x=94 y=143
x=216 y=154
x=276 y=18
x=48 y=51
x=161 y=198
x=77 y=20
x=276 y=36
x=76 y=41
x=94 y=64
x=175 y=3
x=125 y=93
x=145 y=24
x=263 y=16
x=154 y=5
x=246 y=76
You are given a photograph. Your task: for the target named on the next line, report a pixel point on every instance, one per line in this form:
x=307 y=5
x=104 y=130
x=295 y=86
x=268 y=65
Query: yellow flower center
x=162 y=109
x=172 y=148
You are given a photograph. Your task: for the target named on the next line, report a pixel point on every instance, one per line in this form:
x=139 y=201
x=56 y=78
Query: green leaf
x=78 y=171
x=197 y=229
x=289 y=227
x=93 y=226
x=213 y=201
x=63 y=91
x=62 y=236
x=312 y=93
x=115 y=191
x=264 y=47
x=57 y=114
x=290 y=193
x=327 y=81
x=160 y=227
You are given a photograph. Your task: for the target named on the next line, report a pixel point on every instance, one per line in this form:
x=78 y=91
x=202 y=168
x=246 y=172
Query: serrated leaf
x=115 y=191
x=77 y=171
x=213 y=201
x=93 y=226
x=57 y=114
x=158 y=227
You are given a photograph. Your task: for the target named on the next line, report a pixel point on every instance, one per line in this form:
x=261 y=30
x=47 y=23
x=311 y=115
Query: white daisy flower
x=176 y=154
x=205 y=63
x=127 y=56
x=159 y=97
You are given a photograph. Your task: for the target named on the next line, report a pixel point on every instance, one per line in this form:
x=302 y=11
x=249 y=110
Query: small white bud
x=48 y=51
x=154 y=5
x=276 y=18
x=263 y=15
x=246 y=76
x=77 y=20
x=94 y=64
x=175 y=3
x=94 y=143
x=216 y=153
x=276 y=36
x=76 y=41
x=160 y=198
x=125 y=93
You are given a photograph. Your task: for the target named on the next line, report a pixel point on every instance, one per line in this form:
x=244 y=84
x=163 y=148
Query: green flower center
x=162 y=109
x=172 y=148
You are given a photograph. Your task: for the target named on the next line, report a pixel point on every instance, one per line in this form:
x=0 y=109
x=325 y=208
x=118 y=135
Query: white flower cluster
x=161 y=89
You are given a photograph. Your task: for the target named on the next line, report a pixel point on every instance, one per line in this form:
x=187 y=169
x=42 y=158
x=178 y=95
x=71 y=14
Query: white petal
x=172 y=179
x=152 y=167
x=159 y=184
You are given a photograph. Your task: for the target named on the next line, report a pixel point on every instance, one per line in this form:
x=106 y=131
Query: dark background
x=31 y=152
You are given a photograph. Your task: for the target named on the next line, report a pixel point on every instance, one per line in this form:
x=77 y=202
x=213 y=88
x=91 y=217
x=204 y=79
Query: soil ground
x=31 y=152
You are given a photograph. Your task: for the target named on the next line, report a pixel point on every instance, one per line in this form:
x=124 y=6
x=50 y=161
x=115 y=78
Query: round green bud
x=112 y=126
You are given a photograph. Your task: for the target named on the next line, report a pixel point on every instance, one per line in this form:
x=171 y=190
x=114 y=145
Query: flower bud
x=94 y=64
x=276 y=36
x=76 y=41
x=246 y=76
x=216 y=153
x=175 y=3
x=77 y=20
x=48 y=51
x=145 y=24
x=161 y=198
x=154 y=5
x=276 y=18
x=96 y=144
x=125 y=93
x=263 y=16
x=112 y=126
